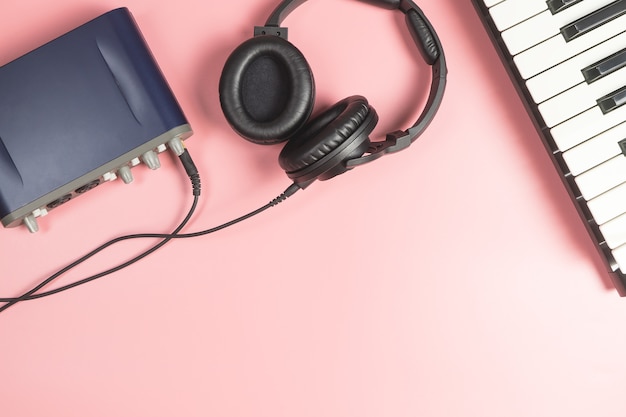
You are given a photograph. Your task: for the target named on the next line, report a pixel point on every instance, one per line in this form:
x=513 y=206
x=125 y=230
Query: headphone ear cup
x=267 y=90
x=320 y=149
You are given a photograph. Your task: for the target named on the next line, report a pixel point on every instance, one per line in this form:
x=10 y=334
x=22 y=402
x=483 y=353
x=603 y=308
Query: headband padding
x=267 y=89
x=422 y=36
x=324 y=134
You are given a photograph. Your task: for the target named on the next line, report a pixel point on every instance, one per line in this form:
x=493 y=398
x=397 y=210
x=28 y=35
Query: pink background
x=452 y=279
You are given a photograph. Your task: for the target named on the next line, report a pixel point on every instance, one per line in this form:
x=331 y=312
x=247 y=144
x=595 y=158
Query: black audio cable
x=192 y=172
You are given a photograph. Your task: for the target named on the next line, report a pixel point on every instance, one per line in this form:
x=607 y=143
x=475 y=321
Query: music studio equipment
x=78 y=111
x=567 y=60
x=267 y=93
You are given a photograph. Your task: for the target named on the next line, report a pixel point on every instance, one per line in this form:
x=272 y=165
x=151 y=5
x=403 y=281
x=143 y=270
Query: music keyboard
x=567 y=59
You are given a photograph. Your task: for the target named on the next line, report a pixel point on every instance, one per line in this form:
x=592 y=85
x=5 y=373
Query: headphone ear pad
x=339 y=133
x=267 y=89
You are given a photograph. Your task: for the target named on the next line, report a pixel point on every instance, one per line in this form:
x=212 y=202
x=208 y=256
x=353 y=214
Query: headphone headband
x=430 y=48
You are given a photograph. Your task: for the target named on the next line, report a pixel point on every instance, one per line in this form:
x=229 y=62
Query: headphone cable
x=192 y=172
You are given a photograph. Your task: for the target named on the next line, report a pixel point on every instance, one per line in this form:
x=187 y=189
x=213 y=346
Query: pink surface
x=453 y=279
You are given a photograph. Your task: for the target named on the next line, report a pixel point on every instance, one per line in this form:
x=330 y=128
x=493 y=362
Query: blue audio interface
x=81 y=110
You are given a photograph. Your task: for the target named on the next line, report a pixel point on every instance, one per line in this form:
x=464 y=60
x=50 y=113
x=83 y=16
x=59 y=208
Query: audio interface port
x=56 y=203
x=93 y=184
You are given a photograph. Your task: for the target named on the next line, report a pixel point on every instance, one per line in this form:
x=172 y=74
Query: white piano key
x=579 y=98
x=614 y=232
x=609 y=205
x=585 y=126
x=595 y=151
x=602 y=178
x=567 y=74
x=511 y=12
x=545 y=25
x=535 y=30
x=620 y=257
x=490 y=3
x=555 y=50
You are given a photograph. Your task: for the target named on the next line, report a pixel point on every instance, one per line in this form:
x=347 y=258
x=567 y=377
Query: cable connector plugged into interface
x=192 y=171
x=176 y=145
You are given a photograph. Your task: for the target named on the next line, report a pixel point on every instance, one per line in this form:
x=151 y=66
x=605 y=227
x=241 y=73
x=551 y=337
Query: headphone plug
x=192 y=171
x=291 y=190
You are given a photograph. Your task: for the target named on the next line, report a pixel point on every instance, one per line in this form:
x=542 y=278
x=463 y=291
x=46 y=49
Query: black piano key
x=612 y=100
x=605 y=67
x=622 y=145
x=556 y=6
x=594 y=20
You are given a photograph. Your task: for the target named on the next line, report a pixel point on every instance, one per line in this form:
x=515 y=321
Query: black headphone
x=267 y=93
